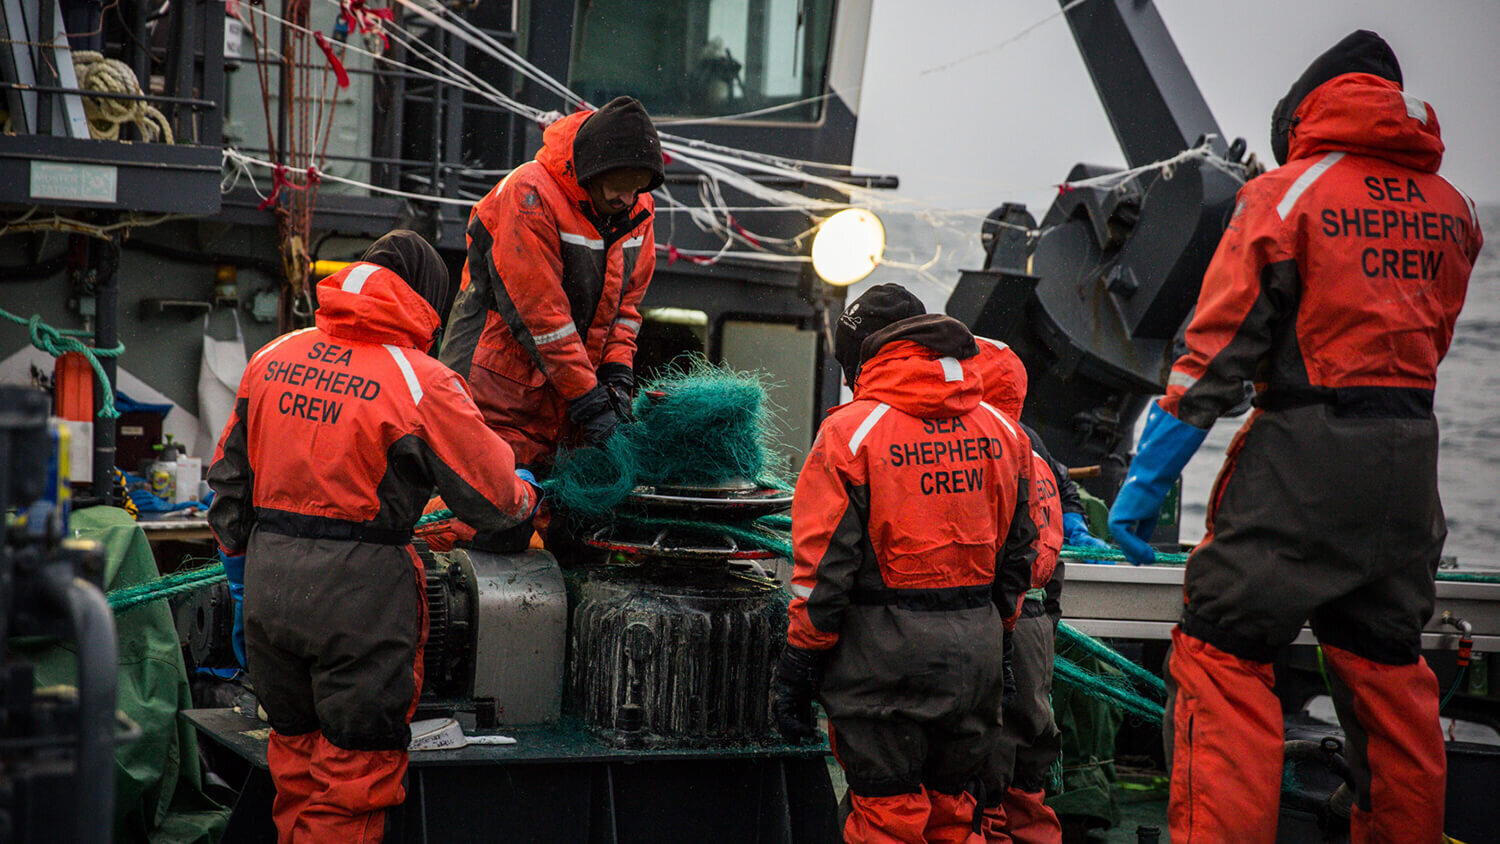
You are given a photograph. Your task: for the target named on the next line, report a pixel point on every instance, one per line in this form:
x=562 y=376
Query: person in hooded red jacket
x=912 y=540
x=1336 y=288
x=561 y=252
x=338 y=437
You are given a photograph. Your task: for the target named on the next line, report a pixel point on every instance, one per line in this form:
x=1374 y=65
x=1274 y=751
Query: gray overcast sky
x=1006 y=124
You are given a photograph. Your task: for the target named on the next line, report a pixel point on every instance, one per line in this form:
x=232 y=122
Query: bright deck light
x=848 y=246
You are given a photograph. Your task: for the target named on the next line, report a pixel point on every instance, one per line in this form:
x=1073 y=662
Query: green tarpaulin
x=158 y=782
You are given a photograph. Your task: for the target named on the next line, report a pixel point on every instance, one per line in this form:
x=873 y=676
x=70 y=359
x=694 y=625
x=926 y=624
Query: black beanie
x=410 y=256
x=1361 y=51
x=618 y=135
x=876 y=308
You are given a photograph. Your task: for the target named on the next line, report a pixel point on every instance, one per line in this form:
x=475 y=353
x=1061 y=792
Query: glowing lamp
x=848 y=246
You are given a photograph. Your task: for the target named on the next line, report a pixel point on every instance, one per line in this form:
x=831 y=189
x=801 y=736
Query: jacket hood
x=1003 y=375
x=1364 y=114
x=1361 y=51
x=620 y=134
x=920 y=366
x=556 y=154
x=369 y=303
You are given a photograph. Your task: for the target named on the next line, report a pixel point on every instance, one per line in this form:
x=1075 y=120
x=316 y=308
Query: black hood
x=410 y=256
x=939 y=332
x=1361 y=51
x=618 y=135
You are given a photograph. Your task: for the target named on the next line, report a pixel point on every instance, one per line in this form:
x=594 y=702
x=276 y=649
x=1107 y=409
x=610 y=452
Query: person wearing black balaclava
x=339 y=435
x=1335 y=288
x=561 y=253
x=913 y=545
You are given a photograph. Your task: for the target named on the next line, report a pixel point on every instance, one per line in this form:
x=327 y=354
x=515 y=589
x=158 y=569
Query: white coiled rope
x=106 y=116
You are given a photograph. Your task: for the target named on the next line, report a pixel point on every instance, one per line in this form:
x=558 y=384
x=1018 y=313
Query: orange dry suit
x=912 y=541
x=1015 y=776
x=338 y=437
x=1335 y=288
x=550 y=292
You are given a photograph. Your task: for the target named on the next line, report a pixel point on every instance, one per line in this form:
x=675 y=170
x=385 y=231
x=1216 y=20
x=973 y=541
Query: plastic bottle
x=164 y=471
x=189 y=475
x=1479 y=675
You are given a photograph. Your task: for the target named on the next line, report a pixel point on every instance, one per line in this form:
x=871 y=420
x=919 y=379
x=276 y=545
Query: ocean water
x=1468 y=393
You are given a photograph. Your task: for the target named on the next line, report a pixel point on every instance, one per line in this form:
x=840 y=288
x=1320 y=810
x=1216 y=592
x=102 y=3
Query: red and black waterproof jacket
x=1342 y=273
x=914 y=499
x=342 y=431
x=1004 y=379
x=550 y=289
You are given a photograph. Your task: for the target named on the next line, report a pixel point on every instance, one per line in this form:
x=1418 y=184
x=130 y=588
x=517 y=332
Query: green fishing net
x=700 y=425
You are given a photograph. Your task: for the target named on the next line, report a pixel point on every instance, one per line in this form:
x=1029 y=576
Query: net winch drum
x=678 y=645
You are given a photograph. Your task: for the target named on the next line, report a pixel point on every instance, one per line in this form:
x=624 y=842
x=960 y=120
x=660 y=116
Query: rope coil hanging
x=107 y=115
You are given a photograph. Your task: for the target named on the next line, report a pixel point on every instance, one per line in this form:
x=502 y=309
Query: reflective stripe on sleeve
x=553 y=336
x=864 y=427
x=407 y=372
x=634 y=241
x=1305 y=181
x=1181 y=379
x=803 y=592
x=633 y=325
x=580 y=240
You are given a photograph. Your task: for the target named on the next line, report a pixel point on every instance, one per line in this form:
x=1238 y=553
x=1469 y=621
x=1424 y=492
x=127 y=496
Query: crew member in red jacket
x=912 y=538
x=338 y=437
x=1016 y=776
x=560 y=254
x=1336 y=288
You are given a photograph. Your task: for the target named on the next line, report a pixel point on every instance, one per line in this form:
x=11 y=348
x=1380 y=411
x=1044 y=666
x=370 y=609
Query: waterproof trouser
x=334 y=633
x=910 y=782
x=1290 y=541
x=1016 y=775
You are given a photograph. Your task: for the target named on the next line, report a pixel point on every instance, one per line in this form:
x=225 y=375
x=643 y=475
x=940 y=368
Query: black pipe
x=92 y=626
x=106 y=336
x=197 y=105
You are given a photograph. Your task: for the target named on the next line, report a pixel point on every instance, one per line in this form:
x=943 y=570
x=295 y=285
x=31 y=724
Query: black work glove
x=619 y=380
x=798 y=676
x=595 y=415
x=1008 y=695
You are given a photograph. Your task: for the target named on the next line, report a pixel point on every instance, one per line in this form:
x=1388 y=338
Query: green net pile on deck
x=699 y=426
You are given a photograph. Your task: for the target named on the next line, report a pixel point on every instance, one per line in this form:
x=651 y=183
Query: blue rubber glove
x=1076 y=533
x=234 y=572
x=528 y=477
x=147 y=501
x=1167 y=444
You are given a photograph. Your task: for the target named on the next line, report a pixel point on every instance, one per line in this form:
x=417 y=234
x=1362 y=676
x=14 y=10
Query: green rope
x=1109 y=656
x=1116 y=692
x=1114 y=555
x=59 y=341
x=130 y=597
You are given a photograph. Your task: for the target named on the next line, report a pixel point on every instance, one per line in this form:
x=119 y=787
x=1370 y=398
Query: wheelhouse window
x=706 y=58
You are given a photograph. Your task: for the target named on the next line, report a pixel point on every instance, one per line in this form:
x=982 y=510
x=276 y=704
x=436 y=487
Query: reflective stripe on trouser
x=1021 y=818
x=1224 y=740
x=1394 y=746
